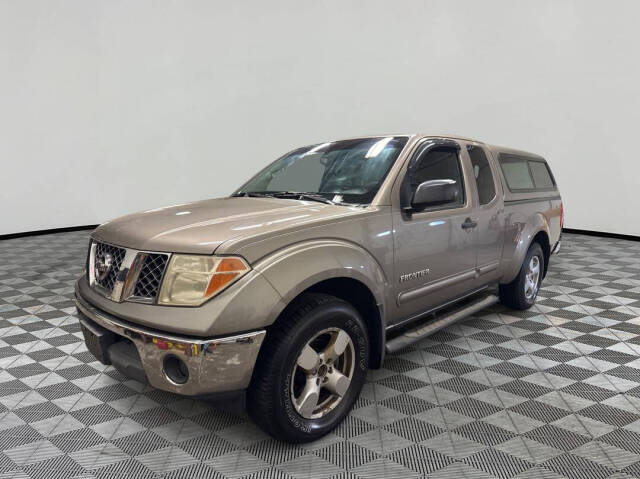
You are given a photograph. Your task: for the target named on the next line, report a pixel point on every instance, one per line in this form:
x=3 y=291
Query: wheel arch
x=536 y=229
x=361 y=298
x=542 y=238
x=334 y=267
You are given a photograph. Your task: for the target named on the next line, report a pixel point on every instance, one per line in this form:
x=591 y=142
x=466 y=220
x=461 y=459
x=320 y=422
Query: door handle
x=469 y=223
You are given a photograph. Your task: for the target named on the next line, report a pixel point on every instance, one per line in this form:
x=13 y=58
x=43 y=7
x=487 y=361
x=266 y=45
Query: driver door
x=434 y=246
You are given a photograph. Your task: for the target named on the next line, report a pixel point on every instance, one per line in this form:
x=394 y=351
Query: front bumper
x=214 y=365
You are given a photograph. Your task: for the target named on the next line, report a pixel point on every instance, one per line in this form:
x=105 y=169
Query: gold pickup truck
x=292 y=287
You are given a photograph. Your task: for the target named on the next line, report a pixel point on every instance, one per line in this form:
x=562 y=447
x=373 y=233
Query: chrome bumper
x=215 y=365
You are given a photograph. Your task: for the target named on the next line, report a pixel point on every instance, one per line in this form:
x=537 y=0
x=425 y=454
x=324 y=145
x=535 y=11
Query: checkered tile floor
x=550 y=392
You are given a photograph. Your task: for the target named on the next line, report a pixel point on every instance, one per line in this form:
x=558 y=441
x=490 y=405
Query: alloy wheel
x=322 y=373
x=532 y=277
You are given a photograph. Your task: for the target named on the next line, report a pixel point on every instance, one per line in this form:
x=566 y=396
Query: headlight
x=190 y=280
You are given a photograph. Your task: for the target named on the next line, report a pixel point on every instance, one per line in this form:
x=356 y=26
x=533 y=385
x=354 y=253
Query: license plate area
x=98 y=340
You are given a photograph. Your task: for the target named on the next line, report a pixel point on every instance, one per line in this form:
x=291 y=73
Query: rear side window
x=526 y=174
x=482 y=173
x=541 y=175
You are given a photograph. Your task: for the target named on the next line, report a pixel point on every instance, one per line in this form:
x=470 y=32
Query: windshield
x=348 y=171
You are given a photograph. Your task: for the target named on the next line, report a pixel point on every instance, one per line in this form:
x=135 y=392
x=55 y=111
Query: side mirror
x=435 y=193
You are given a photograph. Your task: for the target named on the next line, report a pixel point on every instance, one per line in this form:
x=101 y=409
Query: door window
x=482 y=173
x=440 y=163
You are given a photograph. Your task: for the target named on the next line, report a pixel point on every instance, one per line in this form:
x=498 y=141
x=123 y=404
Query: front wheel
x=310 y=370
x=522 y=292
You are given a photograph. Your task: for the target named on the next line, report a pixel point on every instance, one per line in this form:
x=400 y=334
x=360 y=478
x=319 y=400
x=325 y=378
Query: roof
x=496 y=149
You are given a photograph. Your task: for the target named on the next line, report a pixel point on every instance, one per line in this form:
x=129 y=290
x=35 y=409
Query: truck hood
x=202 y=226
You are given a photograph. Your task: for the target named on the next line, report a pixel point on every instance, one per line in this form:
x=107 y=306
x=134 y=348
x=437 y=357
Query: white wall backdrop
x=108 y=107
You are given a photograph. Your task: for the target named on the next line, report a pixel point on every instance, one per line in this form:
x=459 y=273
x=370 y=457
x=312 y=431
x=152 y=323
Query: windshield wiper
x=302 y=196
x=248 y=194
x=298 y=195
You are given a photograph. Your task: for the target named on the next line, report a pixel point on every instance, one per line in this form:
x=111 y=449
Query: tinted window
x=541 y=176
x=524 y=173
x=438 y=164
x=516 y=172
x=482 y=173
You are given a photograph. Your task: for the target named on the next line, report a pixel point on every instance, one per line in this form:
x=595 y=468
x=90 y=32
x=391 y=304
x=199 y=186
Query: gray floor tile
x=546 y=393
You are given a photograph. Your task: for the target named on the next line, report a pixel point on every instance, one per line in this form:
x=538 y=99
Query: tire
x=519 y=294
x=284 y=369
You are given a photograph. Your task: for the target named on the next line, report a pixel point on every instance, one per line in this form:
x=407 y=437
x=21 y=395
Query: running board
x=423 y=330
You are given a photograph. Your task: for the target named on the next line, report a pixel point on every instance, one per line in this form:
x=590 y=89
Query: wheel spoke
x=330 y=368
x=337 y=346
x=308 y=399
x=337 y=383
x=308 y=358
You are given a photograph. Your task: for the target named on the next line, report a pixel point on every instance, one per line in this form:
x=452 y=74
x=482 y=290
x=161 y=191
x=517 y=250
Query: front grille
x=123 y=280
x=148 y=284
x=103 y=252
x=88 y=261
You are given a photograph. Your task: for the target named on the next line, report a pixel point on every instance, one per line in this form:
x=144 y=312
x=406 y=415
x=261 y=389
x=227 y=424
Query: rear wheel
x=310 y=369
x=522 y=292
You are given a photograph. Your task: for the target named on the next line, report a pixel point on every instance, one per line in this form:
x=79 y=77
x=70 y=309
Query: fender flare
x=296 y=268
x=523 y=235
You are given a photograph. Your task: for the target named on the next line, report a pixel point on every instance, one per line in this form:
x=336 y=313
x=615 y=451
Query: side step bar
x=423 y=330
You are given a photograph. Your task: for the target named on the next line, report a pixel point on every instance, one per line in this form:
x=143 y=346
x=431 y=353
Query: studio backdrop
x=109 y=107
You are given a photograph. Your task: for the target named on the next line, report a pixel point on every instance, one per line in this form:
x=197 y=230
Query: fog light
x=175 y=369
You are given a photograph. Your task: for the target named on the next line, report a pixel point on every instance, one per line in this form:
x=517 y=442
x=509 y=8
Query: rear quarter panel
x=523 y=220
